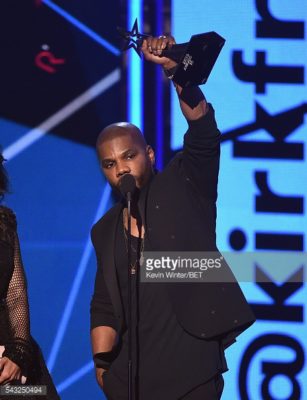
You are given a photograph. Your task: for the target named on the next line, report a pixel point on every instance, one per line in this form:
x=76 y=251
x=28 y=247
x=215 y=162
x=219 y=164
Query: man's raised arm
x=201 y=147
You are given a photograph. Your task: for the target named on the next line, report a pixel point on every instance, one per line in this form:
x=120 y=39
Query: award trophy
x=195 y=59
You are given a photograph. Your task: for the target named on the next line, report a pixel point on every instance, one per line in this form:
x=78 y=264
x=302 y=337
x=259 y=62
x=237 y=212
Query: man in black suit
x=180 y=330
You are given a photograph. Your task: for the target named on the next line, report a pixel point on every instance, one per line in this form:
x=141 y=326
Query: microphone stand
x=127 y=186
x=130 y=380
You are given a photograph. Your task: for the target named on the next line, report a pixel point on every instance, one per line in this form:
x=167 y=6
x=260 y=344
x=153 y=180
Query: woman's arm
x=17 y=354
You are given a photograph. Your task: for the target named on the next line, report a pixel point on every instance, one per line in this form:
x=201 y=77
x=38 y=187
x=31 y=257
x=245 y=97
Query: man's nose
x=122 y=169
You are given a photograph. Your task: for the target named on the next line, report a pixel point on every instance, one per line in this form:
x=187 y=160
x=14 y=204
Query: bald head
x=122 y=149
x=121 y=129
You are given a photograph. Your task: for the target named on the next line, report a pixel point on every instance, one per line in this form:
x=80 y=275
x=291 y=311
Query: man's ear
x=151 y=154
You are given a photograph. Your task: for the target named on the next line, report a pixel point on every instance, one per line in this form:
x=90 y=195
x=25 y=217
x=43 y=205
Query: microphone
x=127 y=186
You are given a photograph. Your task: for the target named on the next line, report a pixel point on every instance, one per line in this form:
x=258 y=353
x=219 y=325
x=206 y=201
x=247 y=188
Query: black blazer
x=178 y=208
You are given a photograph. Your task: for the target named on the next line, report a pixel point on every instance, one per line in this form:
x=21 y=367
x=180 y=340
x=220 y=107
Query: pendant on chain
x=133 y=269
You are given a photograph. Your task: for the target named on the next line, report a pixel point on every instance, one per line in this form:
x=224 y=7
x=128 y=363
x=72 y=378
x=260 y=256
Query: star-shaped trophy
x=195 y=59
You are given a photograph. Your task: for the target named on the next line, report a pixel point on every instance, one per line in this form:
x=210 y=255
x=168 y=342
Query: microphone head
x=127 y=184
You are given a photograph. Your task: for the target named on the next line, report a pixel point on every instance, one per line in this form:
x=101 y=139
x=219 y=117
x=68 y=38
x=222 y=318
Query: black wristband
x=192 y=96
x=104 y=359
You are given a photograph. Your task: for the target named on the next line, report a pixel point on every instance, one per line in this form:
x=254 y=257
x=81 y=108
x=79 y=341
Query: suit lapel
x=108 y=256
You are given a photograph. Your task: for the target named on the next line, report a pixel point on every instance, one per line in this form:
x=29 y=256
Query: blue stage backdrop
x=60 y=83
x=258 y=88
x=60 y=74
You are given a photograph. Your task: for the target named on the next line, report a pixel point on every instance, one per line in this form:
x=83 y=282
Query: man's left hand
x=152 y=48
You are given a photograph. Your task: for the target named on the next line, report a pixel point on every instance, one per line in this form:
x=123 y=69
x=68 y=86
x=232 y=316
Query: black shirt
x=168 y=362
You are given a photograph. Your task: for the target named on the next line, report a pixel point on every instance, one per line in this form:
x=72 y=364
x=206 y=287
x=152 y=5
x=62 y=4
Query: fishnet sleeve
x=18 y=349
